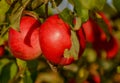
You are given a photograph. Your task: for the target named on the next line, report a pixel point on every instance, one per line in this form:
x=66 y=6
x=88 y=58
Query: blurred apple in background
x=2 y=50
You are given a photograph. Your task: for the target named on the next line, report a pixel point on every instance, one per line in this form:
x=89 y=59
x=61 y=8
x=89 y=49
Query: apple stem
x=53 y=68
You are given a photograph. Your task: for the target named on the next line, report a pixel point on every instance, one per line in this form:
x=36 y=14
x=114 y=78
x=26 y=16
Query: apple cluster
x=53 y=37
x=98 y=38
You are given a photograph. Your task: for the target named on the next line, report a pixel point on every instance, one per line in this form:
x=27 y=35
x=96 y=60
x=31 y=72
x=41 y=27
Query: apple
x=54 y=38
x=2 y=50
x=97 y=37
x=72 y=80
x=111 y=47
x=96 y=79
x=24 y=44
x=93 y=32
x=82 y=40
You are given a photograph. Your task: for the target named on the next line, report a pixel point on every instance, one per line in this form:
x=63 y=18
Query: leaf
x=74 y=50
x=13 y=73
x=71 y=1
x=84 y=14
x=27 y=77
x=81 y=11
x=21 y=70
x=75 y=45
x=67 y=16
x=3 y=9
x=3 y=62
x=33 y=66
x=77 y=24
x=89 y=4
x=116 y=3
x=99 y=4
x=93 y=4
x=22 y=65
x=5 y=74
x=36 y=3
x=41 y=11
x=16 y=12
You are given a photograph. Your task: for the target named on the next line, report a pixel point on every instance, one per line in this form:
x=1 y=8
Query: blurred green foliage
x=13 y=70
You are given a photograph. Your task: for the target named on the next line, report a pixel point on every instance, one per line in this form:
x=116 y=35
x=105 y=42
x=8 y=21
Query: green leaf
x=41 y=11
x=116 y=3
x=75 y=45
x=27 y=77
x=21 y=70
x=77 y=24
x=71 y=1
x=92 y=4
x=3 y=9
x=89 y=4
x=22 y=65
x=67 y=16
x=99 y=4
x=81 y=11
x=3 y=62
x=84 y=14
x=3 y=35
x=16 y=12
x=75 y=48
x=5 y=74
x=36 y=3
x=13 y=73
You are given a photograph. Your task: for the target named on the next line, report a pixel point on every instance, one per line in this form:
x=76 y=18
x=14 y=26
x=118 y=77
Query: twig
x=46 y=10
x=53 y=68
x=54 y=5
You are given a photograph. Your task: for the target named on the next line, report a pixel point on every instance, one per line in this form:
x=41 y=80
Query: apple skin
x=82 y=40
x=93 y=32
x=96 y=79
x=24 y=44
x=72 y=80
x=111 y=47
x=2 y=50
x=55 y=37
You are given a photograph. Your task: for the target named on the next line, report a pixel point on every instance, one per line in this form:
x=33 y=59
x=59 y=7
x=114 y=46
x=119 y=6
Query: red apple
x=72 y=80
x=93 y=32
x=55 y=37
x=96 y=79
x=82 y=40
x=24 y=44
x=96 y=36
x=111 y=47
x=2 y=50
